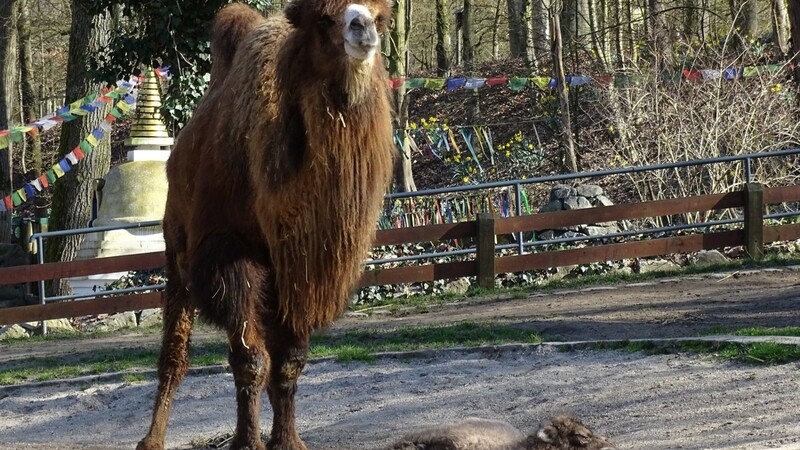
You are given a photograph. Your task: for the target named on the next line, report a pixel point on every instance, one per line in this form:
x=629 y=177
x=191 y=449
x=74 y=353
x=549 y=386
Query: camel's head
x=567 y=433
x=344 y=27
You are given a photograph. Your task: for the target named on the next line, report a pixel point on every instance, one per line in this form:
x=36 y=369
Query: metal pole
x=40 y=257
x=747 y=170
x=521 y=244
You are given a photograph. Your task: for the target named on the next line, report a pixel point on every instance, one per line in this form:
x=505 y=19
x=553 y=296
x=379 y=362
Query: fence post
x=485 y=250
x=754 y=220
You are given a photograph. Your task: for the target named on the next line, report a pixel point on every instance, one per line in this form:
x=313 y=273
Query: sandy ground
x=642 y=402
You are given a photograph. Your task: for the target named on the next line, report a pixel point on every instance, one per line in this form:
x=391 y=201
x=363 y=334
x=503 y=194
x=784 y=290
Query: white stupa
x=132 y=192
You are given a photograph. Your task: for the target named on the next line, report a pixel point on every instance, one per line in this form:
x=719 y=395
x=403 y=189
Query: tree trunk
x=658 y=36
x=496 y=31
x=569 y=161
x=29 y=100
x=398 y=58
x=690 y=23
x=597 y=19
x=745 y=18
x=794 y=26
x=780 y=25
x=442 y=38
x=8 y=86
x=517 y=41
x=540 y=35
x=467 y=35
x=72 y=195
x=569 y=22
x=616 y=32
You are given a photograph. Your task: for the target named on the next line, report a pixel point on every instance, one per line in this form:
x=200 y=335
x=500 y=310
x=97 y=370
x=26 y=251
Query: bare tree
x=794 y=25
x=745 y=18
x=398 y=63
x=9 y=11
x=29 y=97
x=72 y=195
x=517 y=39
x=780 y=24
x=569 y=160
x=659 y=38
x=540 y=29
x=442 y=38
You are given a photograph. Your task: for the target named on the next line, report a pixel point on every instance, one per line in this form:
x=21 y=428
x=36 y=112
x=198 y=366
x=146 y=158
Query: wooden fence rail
x=752 y=236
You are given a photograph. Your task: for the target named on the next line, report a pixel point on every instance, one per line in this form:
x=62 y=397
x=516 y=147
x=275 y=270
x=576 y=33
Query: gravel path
x=642 y=402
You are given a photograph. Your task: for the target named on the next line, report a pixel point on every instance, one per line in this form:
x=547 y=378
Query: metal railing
x=517 y=185
x=521 y=244
x=39 y=238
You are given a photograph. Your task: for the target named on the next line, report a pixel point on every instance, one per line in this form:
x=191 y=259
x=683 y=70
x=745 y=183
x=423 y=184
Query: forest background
x=578 y=85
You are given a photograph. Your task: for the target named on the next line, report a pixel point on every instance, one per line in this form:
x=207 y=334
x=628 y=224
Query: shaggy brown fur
x=560 y=433
x=275 y=185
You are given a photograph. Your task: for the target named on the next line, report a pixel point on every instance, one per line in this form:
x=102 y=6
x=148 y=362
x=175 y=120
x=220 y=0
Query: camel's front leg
x=173 y=362
x=250 y=365
x=288 y=353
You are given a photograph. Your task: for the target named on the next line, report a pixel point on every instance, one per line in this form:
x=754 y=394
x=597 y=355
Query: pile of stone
x=564 y=197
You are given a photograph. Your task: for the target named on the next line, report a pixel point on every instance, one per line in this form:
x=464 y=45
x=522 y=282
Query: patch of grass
x=350 y=346
x=133 y=378
x=431 y=337
x=762 y=353
x=768 y=331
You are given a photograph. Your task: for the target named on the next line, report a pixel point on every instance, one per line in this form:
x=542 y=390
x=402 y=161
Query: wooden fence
x=752 y=236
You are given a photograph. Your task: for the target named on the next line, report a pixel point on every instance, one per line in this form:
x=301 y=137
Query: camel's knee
x=249 y=367
x=290 y=369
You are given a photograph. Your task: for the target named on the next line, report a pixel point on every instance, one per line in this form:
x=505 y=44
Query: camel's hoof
x=248 y=445
x=146 y=444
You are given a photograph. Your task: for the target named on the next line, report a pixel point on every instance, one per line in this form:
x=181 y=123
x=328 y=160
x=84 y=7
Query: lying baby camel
x=560 y=433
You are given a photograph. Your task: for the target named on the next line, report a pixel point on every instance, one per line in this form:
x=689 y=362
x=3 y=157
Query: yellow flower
x=775 y=88
x=412 y=125
x=433 y=119
x=466 y=179
x=508 y=153
x=530 y=146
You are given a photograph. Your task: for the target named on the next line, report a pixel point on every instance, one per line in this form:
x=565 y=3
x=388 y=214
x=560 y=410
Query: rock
x=597 y=230
x=14 y=332
x=577 y=203
x=602 y=200
x=150 y=317
x=710 y=257
x=589 y=190
x=62 y=325
x=457 y=287
x=548 y=235
x=659 y=265
x=555 y=205
x=561 y=192
x=126 y=319
x=562 y=272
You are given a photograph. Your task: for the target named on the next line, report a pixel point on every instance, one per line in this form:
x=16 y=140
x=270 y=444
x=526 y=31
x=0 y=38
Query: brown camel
x=275 y=186
x=559 y=433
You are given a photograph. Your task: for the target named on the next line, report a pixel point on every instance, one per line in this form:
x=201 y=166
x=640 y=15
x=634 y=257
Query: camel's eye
x=325 y=22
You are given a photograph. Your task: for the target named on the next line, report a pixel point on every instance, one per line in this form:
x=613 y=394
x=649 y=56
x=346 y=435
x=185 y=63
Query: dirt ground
x=642 y=402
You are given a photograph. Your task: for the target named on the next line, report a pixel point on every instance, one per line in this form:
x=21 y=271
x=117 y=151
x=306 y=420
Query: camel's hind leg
x=250 y=365
x=173 y=361
x=227 y=281
x=288 y=353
